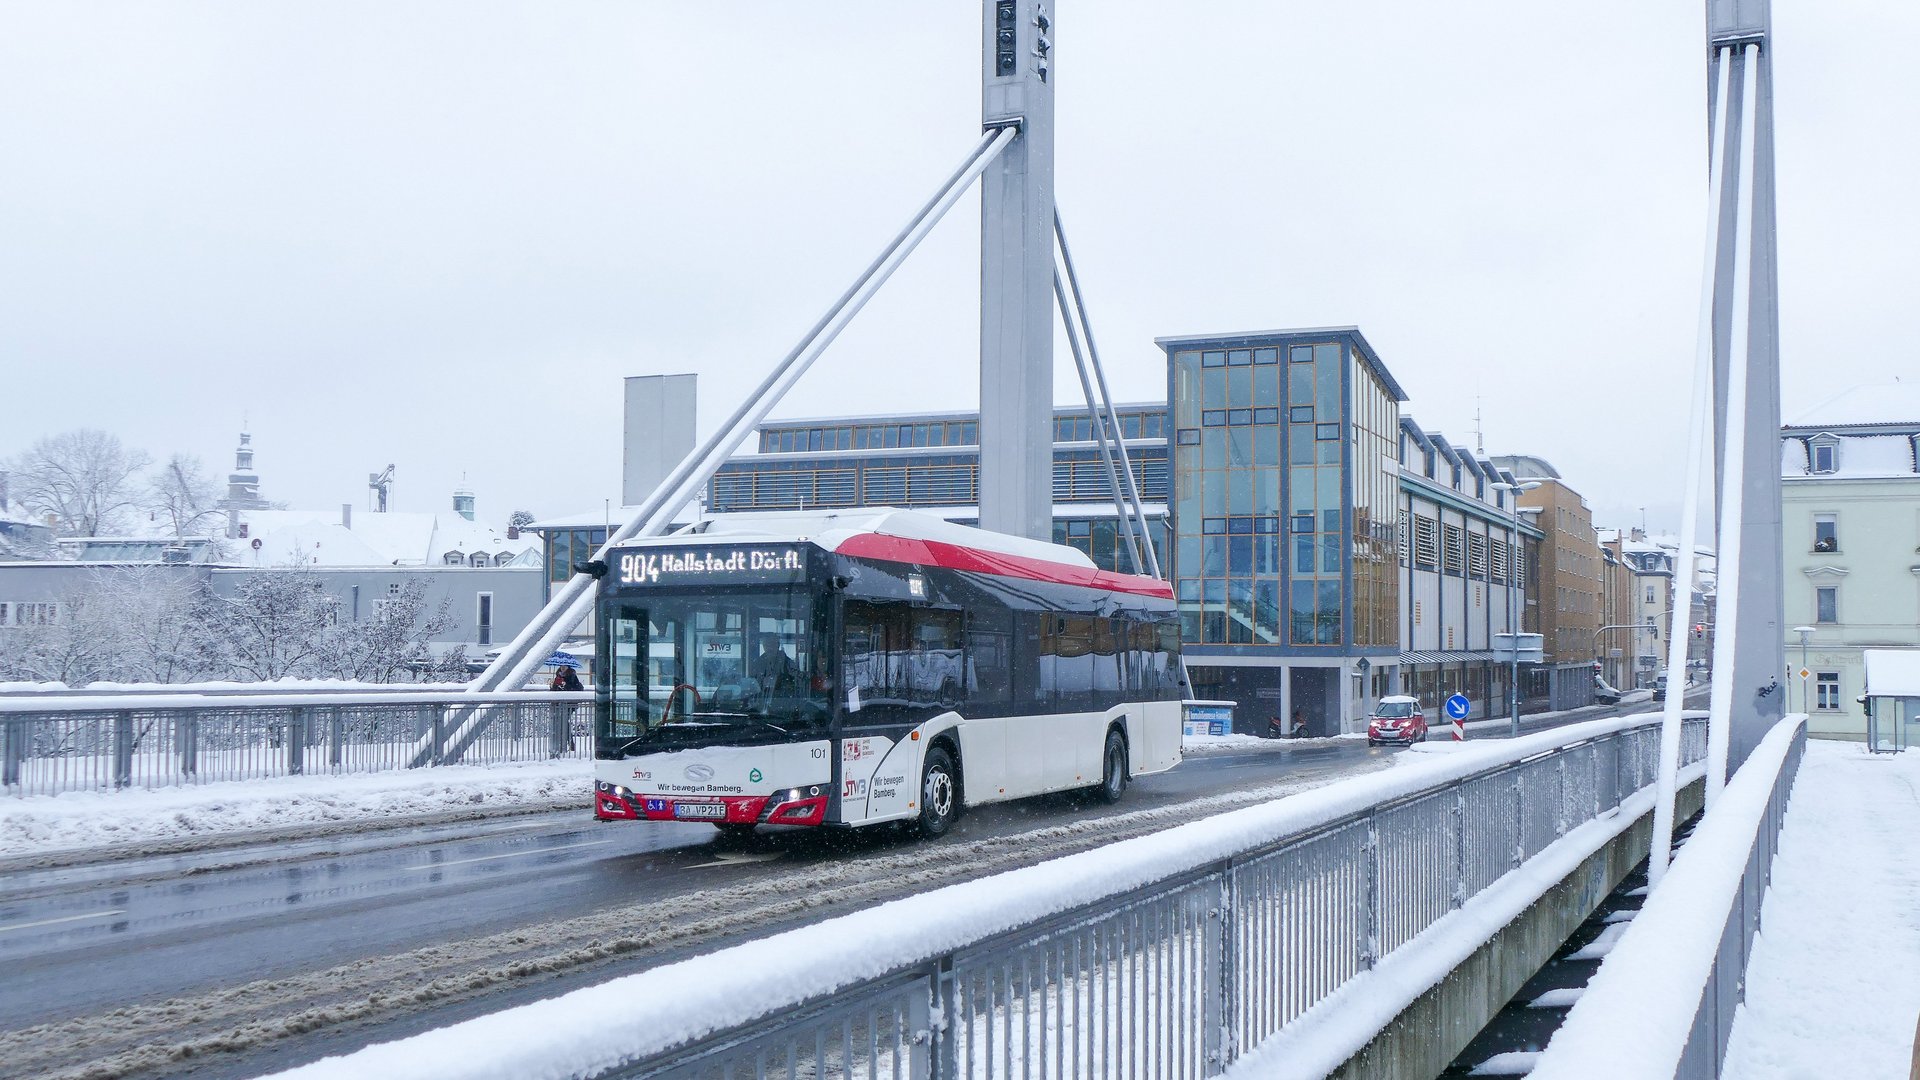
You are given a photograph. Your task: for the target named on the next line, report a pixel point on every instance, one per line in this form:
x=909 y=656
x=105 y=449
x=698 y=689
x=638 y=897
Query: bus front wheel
x=1113 y=777
x=939 y=793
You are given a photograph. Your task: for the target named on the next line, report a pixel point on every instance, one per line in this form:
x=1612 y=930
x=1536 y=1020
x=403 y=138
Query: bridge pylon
x=1016 y=272
x=1750 y=641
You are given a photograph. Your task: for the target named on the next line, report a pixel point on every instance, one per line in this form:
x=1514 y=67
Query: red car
x=1397 y=720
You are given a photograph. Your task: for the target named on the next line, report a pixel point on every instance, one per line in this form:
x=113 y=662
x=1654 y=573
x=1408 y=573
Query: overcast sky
x=438 y=235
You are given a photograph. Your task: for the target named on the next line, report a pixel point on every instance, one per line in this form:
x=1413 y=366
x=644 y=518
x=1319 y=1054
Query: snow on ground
x=1835 y=974
x=1213 y=744
x=45 y=823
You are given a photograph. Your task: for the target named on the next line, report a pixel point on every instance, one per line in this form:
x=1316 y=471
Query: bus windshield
x=708 y=667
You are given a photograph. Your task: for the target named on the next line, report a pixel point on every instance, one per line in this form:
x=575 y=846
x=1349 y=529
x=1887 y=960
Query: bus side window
x=1166 y=660
x=935 y=669
x=1073 y=658
x=989 y=661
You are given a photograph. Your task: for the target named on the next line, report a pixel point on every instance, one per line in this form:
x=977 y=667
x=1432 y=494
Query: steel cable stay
x=1732 y=496
x=1099 y=427
x=1701 y=416
x=567 y=607
x=1134 y=504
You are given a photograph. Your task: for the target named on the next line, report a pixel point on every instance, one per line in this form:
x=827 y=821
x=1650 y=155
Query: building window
x=1826 y=603
x=1455 y=549
x=1826 y=533
x=1827 y=691
x=454 y=558
x=1650 y=598
x=1477 y=556
x=1426 y=543
x=483 y=618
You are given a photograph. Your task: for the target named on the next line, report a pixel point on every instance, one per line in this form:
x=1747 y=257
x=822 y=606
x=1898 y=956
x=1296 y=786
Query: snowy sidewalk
x=1834 y=984
x=135 y=822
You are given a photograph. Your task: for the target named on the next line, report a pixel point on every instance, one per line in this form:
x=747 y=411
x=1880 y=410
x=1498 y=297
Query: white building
x=1852 y=542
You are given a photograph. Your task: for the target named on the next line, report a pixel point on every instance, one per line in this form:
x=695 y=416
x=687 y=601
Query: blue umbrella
x=563 y=659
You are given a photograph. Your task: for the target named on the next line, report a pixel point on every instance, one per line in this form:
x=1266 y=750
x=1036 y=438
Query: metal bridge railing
x=109 y=741
x=1676 y=977
x=1168 y=955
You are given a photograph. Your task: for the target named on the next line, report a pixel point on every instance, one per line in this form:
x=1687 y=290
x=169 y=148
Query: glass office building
x=1284 y=519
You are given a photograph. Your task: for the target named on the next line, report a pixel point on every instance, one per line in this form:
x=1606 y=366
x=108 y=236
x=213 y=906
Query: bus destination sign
x=713 y=566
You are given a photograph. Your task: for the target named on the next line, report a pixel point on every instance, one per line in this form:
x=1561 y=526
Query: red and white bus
x=866 y=666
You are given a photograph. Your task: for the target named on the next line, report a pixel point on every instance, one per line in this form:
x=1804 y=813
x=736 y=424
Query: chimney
x=513 y=532
x=346 y=515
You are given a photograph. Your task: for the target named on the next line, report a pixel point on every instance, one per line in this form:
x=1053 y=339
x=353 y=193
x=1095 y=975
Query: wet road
x=93 y=937
x=171 y=935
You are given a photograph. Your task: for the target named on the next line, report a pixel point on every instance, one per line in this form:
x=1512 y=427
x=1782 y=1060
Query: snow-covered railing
x=55 y=743
x=1315 y=919
x=1662 y=1003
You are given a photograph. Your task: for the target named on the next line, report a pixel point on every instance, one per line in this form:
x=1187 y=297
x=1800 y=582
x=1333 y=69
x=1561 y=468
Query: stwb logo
x=699 y=774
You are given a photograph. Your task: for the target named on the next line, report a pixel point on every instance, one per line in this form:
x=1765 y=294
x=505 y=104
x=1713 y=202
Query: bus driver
x=773 y=669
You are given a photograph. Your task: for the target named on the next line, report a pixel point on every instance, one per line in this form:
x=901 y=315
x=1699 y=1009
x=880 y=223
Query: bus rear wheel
x=939 y=793
x=1113 y=776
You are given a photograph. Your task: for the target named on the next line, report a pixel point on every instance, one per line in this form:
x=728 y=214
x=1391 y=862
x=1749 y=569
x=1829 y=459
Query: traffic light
x=1699 y=630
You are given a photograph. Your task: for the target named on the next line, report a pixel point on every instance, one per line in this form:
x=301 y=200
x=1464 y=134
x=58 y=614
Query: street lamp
x=1805 y=632
x=1513 y=616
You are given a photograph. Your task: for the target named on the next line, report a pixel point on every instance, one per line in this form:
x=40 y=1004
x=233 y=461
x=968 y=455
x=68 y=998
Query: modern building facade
x=1569 y=612
x=1285 y=522
x=1851 y=497
x=1326 y=551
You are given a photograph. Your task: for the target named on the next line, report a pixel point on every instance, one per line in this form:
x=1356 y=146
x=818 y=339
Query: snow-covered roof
x=1856 y=457
x=1896 y=402
x=1893 y=672
x=317 y=538
x=894 y=535
x=832 y=529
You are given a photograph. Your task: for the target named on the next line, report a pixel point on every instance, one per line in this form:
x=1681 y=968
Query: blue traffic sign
x=1458 y=706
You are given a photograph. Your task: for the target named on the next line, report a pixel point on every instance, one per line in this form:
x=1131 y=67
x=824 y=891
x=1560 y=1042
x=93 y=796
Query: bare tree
x=83 y=478
x=394 y=641
x=181 y=494
x=278 y=623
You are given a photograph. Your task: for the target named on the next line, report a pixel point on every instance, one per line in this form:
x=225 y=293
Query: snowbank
x=1653 y=977
x=596 y=1028
x=1835 y=971
x=1209 y=744
x=45 y=823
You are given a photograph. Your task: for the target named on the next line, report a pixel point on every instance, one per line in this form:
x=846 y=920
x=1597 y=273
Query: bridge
x=1370 y=927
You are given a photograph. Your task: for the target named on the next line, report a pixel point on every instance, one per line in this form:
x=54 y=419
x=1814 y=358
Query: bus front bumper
x=795 y=806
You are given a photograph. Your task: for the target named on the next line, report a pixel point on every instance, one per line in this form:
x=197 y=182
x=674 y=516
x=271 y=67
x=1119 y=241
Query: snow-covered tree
x=520 y=519
x=278 y=623
x=182 y=495
x=150 y=615
x=393 y=643
x=84 y=478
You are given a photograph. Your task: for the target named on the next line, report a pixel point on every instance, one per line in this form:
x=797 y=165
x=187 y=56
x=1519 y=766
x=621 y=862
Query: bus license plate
x=712 y=810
